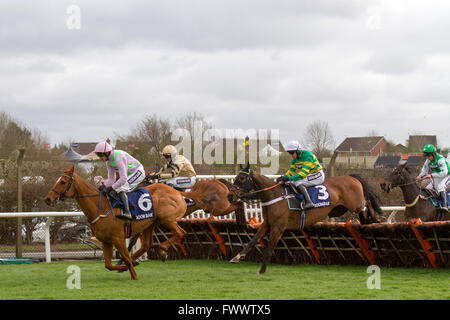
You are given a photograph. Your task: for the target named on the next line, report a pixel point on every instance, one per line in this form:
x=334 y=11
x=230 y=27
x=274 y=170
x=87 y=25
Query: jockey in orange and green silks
x=437 y=168
x=131 y=172
x=305 y=170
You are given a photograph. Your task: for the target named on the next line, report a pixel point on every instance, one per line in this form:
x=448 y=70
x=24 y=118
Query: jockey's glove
x=109 y=189
x=283 y=178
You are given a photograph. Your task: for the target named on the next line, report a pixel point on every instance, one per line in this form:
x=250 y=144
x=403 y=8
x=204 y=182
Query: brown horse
x=417 y=202
x=213 y=196
x=168 y=206
x=350 y=193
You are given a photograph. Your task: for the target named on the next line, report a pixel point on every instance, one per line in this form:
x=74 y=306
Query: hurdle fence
x=222 y=233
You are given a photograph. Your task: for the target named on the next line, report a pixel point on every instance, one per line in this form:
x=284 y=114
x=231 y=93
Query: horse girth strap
x=283 y=197
x=412 y=204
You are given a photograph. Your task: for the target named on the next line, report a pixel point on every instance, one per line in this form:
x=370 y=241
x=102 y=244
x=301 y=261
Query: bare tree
x=147 y=140
x=319 y=139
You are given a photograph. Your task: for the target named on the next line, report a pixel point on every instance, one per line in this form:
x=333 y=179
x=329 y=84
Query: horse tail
x=369 y=194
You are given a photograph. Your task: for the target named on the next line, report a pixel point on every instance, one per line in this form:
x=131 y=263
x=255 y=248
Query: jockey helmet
x=102 y=148
x=169 y=150
x=293 y=145
x=429 y=148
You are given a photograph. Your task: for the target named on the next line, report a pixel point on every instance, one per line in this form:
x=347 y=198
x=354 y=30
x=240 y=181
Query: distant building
x=84 y=148
x=362 y=146
x=416 y=143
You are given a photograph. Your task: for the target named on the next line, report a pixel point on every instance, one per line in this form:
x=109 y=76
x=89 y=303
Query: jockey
x=131 y=173
x=177 y=172
x=440 y=172
x=305 y=171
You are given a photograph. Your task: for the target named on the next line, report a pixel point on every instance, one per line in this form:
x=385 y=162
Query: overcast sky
x=362 y=66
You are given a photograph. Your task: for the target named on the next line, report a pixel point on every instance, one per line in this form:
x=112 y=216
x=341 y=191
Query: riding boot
x=189 y=202
x=126 y=214
x=308 y=203
x=443 y=195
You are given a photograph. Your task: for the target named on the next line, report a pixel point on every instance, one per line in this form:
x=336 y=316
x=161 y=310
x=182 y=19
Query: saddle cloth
x=141 y=204
x=319 y=196
x=435 y=198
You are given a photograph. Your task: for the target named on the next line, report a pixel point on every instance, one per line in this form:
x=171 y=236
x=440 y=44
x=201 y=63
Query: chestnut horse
x=213 y=196
x=417 y=202
x=347 y=193
x=168 y=204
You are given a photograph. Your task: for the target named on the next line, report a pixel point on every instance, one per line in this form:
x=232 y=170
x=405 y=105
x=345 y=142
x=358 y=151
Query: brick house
x=362 y=146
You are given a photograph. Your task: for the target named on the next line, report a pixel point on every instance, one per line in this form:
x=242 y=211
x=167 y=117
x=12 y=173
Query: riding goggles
x=101 y=154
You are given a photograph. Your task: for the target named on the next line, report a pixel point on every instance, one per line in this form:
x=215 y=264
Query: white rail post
x=48 y=255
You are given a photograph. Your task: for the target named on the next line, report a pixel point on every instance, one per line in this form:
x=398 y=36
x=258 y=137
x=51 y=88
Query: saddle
x=139 y=201
x=435 y=197
x=318 y=194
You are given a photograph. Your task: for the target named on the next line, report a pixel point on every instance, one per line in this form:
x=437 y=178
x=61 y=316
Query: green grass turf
x=219 y=280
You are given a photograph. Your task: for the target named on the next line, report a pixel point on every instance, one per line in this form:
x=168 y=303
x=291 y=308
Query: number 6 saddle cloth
x=319 y=196
x=141 y=204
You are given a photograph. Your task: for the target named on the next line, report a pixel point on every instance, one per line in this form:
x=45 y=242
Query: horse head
x=62 y=188
x=400 y=176
x=243 y=182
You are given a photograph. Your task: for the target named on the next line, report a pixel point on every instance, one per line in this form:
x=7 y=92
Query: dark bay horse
x=168 y=204
x=347 y=193
x=417 y=202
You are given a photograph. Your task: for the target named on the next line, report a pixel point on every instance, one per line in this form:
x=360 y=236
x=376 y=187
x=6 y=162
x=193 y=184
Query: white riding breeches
x=311 y=180
x=439 y=184
x=133 y=180
x=180 y=182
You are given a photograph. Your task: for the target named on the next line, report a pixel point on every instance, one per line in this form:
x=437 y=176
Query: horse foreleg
x=108 y=254
x=275 y=236
x=123 y=251
x=262 y=231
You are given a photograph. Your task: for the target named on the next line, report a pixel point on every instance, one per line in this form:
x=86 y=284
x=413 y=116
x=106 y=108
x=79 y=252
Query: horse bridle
x=62 y=195
x=250 y=184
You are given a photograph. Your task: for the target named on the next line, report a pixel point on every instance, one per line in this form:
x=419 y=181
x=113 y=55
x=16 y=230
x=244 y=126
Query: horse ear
x=402 y=165
x=248 y=166
x=240 y=166
x=72 y=170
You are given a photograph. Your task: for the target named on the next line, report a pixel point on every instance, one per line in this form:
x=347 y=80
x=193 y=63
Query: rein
x=419 y=196
x=250 y=193
x=62 y=196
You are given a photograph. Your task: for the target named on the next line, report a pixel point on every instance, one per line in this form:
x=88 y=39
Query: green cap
x=429 y=148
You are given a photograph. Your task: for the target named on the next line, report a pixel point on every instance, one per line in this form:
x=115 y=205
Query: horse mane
x=85 y=182
x=264 y=179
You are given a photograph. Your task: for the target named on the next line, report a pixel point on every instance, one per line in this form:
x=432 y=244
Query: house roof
x=359 y=144
x=387 y=161
x=84 y=148
x=71 y=155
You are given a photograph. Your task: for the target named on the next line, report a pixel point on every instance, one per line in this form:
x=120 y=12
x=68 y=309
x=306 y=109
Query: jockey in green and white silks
x=440 y=172
x=305 y=171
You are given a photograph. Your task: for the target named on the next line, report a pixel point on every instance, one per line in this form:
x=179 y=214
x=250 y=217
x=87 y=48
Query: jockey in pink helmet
x=131 y=173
